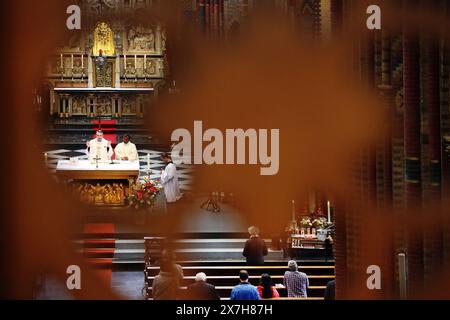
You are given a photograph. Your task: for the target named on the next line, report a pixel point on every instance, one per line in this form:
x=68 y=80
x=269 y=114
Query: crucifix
x=99 y=118
x=96 y=161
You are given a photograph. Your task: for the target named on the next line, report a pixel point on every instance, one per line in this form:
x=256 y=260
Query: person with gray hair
x=296 y=282
x=201 y=290
x=255 y=248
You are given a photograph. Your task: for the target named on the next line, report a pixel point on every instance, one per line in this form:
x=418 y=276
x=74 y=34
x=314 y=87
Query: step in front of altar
x=195 y=253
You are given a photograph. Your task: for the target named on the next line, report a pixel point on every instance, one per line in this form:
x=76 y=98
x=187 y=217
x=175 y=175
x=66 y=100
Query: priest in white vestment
x=169 y=180
x=126 y=150
x=99 y=148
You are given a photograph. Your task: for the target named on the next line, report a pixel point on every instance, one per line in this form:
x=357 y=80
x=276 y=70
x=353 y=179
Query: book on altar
x=74 y=161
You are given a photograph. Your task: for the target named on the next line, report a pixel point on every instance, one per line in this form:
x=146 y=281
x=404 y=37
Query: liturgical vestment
x=99 y=149
x=128 y=150
x=169 y=180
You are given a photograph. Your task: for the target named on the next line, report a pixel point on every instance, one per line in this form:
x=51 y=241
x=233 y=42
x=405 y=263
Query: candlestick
x=329 y=211
x=293 y=210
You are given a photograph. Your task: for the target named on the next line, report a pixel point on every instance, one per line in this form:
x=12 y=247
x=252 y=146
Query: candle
x=148 y=162
x=329 y=211
x=45 y=158
x=72 y=60
x=145 y=61
x=62 y=62
x=135 y=61
x=125 y=61
x=293 y=210
x=82 y=60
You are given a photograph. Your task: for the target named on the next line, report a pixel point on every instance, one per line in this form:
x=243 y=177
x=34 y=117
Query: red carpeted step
x=104 y=275
x=100 y=262
x=99 y=229
x=99 y=248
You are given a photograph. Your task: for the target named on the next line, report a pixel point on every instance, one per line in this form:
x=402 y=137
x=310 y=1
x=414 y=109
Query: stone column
x=386 y=92
x=433 y=240
x=158 y=39
x=336 y=8
x=90 y=72
x=412 y=147
x=117 y=85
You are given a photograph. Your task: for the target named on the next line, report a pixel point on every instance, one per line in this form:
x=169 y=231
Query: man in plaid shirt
x=296 y=282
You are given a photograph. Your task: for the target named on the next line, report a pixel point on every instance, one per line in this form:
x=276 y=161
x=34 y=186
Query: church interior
x=364 y=165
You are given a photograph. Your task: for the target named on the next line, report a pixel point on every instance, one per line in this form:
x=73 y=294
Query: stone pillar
x=412 y=147
x=445 y=129
x=433 y=241
x=117 y=67
x=384 y=196
x=158 y=39
x=52 y=101
x=336 y=8
x=90 y=72
x=431 y=99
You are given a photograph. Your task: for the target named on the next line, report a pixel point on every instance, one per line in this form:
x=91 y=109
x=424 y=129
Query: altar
x=99 y=183
x=309 y=247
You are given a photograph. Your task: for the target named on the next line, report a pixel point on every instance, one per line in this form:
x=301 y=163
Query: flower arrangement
x=144 y=195
x=319 y=223
x=306 y=222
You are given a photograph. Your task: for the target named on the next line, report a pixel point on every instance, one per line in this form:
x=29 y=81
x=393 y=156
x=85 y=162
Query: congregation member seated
x=201 y=290
x=169 y=255
x=244 y=290
x=166 y=284
x=266 y=289
x=296 y=282
x=255 y=248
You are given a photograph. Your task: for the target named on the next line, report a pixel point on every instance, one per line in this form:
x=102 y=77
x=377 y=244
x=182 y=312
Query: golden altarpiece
x=111 y=68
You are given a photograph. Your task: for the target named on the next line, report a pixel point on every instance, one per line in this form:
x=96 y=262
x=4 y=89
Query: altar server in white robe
x=99 y=148
x=126 y=150
x=169 y=180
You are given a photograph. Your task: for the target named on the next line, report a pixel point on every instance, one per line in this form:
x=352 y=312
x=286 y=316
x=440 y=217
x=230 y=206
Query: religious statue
x=98 y=189
x=108 y=194
x=108 y=197
x=141 y=39
x=79 y=105
x=77 y=68
x=103 y=40
x=131 y=70
x=128 y=106
x=150 y=67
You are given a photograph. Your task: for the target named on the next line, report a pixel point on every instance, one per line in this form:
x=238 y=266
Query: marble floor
x=185 y=172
